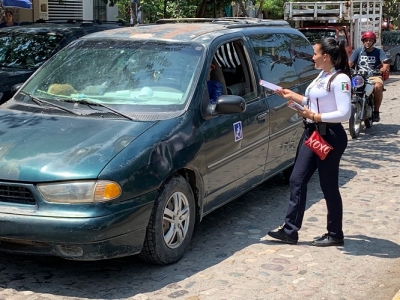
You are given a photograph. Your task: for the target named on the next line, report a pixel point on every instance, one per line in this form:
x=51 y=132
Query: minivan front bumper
x=114 y=235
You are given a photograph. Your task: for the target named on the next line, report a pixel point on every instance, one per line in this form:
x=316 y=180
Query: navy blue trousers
x=306 y=163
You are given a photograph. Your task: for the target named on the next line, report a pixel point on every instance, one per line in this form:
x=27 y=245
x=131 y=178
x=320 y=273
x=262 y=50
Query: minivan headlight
x=75 y=192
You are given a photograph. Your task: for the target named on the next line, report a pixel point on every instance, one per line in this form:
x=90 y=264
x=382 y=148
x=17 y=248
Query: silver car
x=391 y=45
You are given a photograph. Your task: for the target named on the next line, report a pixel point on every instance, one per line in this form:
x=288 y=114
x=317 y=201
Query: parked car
x=23 y=49
x=113 y=148
x=391 y=45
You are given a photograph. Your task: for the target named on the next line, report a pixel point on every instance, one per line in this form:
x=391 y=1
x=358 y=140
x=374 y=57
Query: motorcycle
x=362 y=100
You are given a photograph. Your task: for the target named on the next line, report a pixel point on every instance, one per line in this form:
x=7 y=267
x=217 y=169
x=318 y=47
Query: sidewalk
x=397 y=296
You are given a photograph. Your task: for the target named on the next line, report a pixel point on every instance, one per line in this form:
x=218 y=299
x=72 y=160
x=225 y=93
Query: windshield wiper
x=90 y=103
x=40 y=103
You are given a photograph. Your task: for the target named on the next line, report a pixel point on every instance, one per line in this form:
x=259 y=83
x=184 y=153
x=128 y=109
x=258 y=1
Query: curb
x=397 y=296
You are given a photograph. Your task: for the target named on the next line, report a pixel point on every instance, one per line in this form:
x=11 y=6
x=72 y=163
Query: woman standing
x=327 y=103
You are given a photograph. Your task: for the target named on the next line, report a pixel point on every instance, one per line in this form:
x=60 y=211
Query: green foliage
x=123 y=8
x=273 y=9
x=391 y=10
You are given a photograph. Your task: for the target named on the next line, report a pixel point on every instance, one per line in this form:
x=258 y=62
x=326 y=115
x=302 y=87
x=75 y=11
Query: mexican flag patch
x=345 y=87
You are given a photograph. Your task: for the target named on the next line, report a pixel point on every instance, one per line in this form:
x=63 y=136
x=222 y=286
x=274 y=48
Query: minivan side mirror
x=227 y=104
x=15 y=88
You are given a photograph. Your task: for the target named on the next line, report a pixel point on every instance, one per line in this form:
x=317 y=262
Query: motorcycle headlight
x=357 y=81
x=75 y=192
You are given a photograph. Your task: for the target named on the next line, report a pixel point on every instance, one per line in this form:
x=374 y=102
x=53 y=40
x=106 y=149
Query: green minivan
x=113 y=147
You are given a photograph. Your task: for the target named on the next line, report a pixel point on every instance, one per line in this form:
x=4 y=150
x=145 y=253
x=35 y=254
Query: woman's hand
x=285 y=93
x=306 y=113
x=290 y=95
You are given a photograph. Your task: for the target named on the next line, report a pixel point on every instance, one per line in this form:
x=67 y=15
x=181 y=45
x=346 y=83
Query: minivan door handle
x=261 y=117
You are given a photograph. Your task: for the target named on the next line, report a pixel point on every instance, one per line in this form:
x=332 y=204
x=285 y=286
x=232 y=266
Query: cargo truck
x=343 y=20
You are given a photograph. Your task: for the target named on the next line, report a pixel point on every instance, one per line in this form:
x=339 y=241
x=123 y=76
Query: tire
x=354 y=121
x=396 y=64
x=368 y=122
x=171 y=223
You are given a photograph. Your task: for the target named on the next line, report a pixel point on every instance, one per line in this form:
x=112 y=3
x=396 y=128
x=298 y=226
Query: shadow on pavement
x=360 y=245
x=369 y=152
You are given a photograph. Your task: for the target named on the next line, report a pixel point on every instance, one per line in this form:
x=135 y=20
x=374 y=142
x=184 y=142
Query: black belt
x=313 y=125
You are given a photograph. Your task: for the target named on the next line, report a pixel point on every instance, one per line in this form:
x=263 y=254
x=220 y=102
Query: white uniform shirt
x=334 y=106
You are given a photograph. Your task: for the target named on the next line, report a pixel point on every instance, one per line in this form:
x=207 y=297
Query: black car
x=23 y=49
x=114 y=147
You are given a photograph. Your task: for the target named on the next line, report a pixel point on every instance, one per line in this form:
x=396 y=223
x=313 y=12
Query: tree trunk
x=201 y=11
x=260 y=10
x=241 y=5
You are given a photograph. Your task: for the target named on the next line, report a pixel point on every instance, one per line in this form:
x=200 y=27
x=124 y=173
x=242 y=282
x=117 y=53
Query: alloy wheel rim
x=176 y=219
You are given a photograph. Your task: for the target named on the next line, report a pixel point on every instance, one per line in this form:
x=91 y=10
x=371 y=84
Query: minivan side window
x=274 y=58
x=302 y=54
x=231 y=68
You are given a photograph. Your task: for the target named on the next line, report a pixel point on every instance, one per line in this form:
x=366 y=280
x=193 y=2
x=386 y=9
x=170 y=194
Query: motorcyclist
x=370 y=56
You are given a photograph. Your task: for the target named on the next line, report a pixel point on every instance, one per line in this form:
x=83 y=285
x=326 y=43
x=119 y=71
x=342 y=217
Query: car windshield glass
x=315 y=35
x=26 y=51
x=390 y=38
x=134 y=76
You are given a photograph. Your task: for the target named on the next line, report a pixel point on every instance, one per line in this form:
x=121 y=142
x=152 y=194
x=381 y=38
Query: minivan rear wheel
x=171 y=224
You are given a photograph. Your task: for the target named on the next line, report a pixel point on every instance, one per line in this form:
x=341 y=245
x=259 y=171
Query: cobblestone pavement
x=231 y=257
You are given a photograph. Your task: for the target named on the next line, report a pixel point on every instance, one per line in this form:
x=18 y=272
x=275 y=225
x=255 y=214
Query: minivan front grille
x=16 y=194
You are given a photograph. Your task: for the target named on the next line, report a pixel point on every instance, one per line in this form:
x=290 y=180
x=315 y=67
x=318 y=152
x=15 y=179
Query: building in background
x=68 y=9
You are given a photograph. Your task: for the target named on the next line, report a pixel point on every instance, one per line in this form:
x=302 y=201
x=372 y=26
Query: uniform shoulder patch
x=345 y=87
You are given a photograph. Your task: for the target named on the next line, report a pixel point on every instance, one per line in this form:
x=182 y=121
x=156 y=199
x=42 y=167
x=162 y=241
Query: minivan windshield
x=131 y=76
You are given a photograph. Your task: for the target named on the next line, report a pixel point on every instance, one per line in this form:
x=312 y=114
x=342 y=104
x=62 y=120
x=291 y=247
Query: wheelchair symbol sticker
x=237 y=129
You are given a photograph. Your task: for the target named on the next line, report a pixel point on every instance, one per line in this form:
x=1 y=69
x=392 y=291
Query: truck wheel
x=171 y=223
x=396 y=65
x=354 y=121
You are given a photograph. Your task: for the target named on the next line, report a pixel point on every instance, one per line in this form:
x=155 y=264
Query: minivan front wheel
x=171 y=223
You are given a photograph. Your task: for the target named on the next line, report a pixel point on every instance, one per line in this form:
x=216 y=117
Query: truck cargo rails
x=346 y=20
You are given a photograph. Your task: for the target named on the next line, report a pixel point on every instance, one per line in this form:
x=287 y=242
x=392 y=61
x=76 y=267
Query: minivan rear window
x=275 y=59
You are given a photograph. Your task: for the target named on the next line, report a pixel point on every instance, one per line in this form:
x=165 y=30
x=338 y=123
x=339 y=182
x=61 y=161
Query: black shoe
x=375 y=116
x=326 y=241
x=281 y=235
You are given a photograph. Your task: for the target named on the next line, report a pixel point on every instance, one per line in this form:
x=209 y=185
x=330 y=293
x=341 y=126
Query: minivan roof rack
x=229 y=21
x=79 y=21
